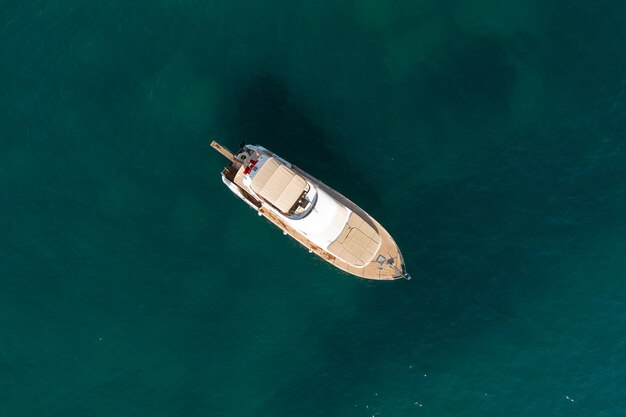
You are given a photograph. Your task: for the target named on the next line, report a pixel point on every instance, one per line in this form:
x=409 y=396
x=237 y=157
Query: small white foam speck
x=571 y=399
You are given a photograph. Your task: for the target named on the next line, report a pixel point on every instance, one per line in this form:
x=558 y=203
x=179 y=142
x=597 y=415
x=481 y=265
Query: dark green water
x=488 y=137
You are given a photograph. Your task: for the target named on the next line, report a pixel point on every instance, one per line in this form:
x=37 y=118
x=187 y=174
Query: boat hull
x=386 y=264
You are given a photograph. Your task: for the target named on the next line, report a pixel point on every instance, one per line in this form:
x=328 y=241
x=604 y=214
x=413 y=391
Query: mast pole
x=225 y=152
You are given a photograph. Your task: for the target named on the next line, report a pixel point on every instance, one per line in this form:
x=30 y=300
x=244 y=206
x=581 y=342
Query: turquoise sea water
x=488 y=137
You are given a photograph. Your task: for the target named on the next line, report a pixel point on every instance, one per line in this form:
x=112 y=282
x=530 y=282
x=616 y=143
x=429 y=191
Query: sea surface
x=488 y=137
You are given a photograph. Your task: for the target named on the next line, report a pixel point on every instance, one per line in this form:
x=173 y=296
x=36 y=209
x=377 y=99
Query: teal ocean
x=488 y=137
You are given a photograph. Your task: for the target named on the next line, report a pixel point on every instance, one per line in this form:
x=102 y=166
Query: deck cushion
x=357 y=243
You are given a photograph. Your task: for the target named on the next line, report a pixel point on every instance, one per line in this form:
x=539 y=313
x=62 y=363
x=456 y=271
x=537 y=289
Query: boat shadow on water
x=268 y=112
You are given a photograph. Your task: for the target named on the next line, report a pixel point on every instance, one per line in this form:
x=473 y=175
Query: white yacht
x=315 y=215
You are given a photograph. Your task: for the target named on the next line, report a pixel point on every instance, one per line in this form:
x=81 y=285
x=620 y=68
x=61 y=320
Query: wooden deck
x=388 y=247
x=373 y=269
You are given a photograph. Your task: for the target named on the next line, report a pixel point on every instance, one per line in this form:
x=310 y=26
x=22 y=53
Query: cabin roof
x=278 y=184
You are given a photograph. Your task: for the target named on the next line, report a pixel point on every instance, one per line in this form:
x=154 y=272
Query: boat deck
x=375 y=268
x=371 y=270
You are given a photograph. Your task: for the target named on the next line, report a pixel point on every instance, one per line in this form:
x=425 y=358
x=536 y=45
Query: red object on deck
x=251 y=165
